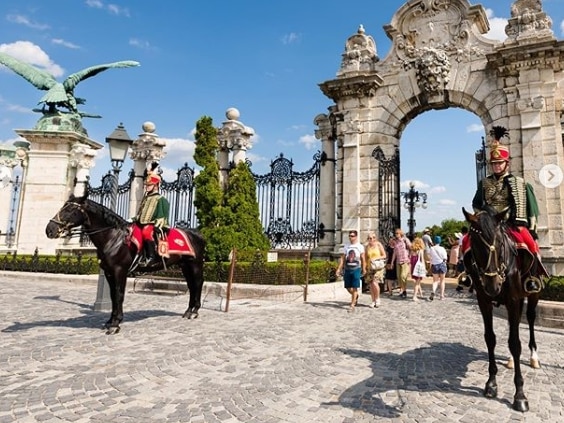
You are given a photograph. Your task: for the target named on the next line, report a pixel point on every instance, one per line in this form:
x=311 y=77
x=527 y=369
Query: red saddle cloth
x=176 y=240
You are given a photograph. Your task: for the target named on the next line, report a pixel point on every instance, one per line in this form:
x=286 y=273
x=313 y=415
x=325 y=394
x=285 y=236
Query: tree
x=227 y=219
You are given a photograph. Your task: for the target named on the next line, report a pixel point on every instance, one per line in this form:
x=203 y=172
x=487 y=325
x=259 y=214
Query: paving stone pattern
x=262 y=361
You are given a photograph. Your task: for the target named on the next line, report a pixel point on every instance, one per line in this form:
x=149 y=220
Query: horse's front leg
x=514 y=310
x=116 y=279
x=486 y=308
x=194 y=274
x=532 y=302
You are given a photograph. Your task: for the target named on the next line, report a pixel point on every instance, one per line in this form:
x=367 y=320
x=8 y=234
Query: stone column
x=81 y=161
x=46 y=185
x=327 y=183
x=235 y=136
x=147 y=148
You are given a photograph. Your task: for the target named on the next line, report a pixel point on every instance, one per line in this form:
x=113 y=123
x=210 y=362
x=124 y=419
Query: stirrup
x=532 y=285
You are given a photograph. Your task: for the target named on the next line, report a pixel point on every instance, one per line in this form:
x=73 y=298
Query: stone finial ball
x=149 y=127
x=232 y=113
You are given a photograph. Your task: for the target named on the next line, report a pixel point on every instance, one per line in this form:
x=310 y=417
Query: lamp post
x=118 y=143
x=412 y=200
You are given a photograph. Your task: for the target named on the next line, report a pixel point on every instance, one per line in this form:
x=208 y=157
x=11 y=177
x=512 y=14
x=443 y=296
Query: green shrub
x=554 y=289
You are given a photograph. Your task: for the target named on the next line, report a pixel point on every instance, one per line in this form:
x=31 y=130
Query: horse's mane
x=112 y=218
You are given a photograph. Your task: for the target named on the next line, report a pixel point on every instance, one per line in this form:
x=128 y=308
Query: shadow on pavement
x=438 y=367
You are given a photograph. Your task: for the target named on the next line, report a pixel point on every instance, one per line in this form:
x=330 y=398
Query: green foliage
x=227 y=219
x=74 y=265
x=447 y=229
x=554 y=289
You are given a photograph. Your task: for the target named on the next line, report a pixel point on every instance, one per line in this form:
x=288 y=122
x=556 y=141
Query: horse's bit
x=65 y=227
x=492 y=256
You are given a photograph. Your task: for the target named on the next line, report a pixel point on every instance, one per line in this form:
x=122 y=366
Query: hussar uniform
x=153 y=211
x=511 y=195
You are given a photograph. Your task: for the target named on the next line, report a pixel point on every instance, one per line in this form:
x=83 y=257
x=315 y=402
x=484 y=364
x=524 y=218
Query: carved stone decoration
x=82 y=156
x=432 y=69
x=234 y=135
x=450 y=26
x=536 y=103
x=528 y=22
x=148 y=146
x=357 y=86
x=360 y=53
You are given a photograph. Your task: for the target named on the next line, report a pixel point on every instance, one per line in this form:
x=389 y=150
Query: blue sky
x=202 y=57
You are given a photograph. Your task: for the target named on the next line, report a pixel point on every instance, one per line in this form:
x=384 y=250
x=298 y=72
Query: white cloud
x=291 y=38
x=437 y=190
x=136 y=42
x=497 y=26
x=446 y=202
x=64 y=43
x=24 y=20
x=32 y=54
x=309 y=141
x=180 y=150
x=416 y=184
x=114 y=9
x=475 y=127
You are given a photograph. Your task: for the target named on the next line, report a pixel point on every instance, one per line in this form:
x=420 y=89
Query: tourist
x=438 y=267
x=390 y=274
x=352 y=265
x=417 y=255
x=376 y=264
x=427 y=251
x=401 y=261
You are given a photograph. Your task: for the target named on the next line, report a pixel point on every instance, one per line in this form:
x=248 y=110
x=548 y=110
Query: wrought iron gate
x=180 y=195
x=289 y=203
x=388 y=193
x=103 y=194
x=481 y=163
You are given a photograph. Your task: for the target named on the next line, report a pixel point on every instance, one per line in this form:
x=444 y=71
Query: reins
x=67 y=226
x=492 y=257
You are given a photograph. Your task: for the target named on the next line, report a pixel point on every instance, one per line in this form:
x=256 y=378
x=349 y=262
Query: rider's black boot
x=533 y=283
x=150 y=254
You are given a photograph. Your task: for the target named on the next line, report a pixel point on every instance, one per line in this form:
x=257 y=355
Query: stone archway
x=440 y=59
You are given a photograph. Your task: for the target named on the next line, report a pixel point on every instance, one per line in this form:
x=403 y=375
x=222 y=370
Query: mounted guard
x=153 y=213
x=515 y=199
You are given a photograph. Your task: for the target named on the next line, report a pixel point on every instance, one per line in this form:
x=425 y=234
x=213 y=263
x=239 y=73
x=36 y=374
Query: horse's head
x=71 y=215
x=490 y=248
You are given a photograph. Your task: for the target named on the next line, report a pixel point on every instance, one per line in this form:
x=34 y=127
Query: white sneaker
x=373 y=304
x=377 y=303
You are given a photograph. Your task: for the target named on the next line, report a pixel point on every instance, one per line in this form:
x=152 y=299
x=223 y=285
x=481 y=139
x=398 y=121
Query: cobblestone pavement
x=260 y=362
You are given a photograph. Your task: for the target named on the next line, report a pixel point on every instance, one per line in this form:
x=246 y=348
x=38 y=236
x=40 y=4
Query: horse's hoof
x=113 y=330
x=521 y=405
x=535 y=364
x=490 y=391
x=510 y=364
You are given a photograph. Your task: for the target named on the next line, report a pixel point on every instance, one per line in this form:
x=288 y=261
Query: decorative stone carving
x=536 y=103
x=233 y=135
x=432 y=69
x=357 y=87
x=447 y=26
x=82 y=156
x=360 y=53
x=528 y=21
x=148 y=146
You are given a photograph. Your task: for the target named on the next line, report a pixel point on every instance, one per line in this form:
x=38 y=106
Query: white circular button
x=551 y=176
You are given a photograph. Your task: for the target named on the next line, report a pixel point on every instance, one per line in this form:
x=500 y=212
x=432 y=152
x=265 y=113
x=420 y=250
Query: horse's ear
x=470 y=217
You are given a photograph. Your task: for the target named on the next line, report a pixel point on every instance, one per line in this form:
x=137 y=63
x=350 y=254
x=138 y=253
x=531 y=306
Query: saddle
x=169 y=241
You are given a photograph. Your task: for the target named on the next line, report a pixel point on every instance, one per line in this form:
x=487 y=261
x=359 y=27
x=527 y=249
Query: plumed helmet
x=499 y=153
x=153 y=177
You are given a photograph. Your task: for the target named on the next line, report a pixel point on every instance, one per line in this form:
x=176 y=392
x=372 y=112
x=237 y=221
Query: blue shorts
x=438 y=269
x=352 y=278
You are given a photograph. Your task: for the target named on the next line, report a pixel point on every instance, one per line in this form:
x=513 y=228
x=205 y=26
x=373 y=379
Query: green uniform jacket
x=512 y=194
x=153 y=206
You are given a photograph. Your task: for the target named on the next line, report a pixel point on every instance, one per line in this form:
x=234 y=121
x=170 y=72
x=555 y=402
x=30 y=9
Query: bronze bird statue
x=59 y=94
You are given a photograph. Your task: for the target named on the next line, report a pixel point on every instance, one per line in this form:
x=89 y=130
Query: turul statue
x=60 y=106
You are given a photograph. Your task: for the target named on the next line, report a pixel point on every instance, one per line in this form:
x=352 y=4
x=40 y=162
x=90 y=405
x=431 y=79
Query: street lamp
x=413 y=199
x=118 y=143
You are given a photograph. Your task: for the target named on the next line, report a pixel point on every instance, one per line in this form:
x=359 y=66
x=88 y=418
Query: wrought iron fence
x=388 y=193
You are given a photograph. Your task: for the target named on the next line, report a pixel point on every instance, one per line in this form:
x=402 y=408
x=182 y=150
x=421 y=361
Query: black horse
x=496 y=268
x=111 y=235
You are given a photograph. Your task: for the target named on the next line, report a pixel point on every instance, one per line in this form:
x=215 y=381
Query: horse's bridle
x=65 y=227
x=492 y=256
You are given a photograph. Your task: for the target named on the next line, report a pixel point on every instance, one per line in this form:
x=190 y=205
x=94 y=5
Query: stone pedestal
x=48 y=182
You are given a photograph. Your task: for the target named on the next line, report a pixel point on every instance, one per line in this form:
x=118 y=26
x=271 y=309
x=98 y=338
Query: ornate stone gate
x=439 y=59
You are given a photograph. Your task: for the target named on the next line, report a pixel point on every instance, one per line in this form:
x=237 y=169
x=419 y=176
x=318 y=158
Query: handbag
x=419 y=270
x=377 y=264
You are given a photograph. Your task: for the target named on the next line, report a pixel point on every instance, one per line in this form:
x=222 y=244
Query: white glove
x=159 y=223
